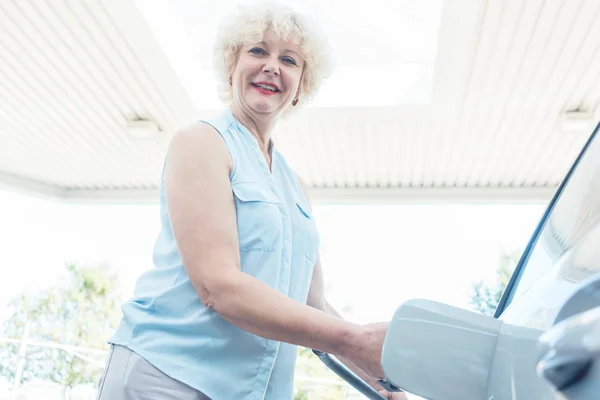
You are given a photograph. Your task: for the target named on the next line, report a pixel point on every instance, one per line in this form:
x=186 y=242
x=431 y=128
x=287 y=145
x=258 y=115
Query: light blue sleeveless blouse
x=165 y=322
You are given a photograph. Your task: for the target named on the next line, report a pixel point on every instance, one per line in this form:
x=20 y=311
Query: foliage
x=486 y=296
x=80 y=312
x=326 y=385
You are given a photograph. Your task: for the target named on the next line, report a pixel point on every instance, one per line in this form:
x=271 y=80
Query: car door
x=544 y=339
x=543 y=343
x=551 y=284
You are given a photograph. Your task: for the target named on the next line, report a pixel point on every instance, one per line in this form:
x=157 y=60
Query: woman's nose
x=271 y=67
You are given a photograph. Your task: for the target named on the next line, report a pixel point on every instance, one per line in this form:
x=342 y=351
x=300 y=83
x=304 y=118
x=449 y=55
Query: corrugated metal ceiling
x=72 y=73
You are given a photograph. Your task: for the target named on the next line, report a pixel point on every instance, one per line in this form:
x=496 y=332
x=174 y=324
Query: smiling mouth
x=265 y=87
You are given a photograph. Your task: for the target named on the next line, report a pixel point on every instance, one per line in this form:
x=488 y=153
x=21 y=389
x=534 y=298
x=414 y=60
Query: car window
x=564 y=250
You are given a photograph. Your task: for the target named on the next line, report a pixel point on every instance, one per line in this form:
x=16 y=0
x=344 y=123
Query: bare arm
x=316 y=299
x=203 y=218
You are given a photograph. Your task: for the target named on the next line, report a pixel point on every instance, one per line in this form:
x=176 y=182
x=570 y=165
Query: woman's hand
x=365 y=353
x=365 y=349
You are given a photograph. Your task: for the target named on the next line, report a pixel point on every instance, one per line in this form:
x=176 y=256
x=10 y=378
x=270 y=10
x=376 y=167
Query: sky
x=374 y=256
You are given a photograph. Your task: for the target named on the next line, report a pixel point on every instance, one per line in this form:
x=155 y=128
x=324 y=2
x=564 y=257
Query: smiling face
x=267 y=76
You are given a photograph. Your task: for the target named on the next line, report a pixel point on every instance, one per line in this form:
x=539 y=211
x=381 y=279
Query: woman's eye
x=257 y=51
x=289 y=60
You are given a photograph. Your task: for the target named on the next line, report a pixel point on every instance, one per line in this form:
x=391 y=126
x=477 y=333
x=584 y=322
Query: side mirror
x=568 y=353
x=437 y=351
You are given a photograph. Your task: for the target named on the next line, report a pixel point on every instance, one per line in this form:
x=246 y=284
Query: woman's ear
x=295 y=101
x=299 y=90
x=233 y=65
x=231 y=72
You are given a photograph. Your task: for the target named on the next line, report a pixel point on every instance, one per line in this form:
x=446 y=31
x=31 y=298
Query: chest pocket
x=258 y=217
x=311 y=238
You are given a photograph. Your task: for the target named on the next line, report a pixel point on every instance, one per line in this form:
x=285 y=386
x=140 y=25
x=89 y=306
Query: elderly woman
x=237 y=283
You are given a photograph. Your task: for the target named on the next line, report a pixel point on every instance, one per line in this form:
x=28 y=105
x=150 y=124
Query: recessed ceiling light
x=142 y=128
x=577 y=121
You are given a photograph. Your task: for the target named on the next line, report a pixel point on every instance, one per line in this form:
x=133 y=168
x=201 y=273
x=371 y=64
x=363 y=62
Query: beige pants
x=127 y=376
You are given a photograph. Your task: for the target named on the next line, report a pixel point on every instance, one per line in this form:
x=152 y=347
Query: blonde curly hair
x=250 y=21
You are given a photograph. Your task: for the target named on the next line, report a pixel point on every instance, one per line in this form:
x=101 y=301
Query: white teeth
x=271 y=88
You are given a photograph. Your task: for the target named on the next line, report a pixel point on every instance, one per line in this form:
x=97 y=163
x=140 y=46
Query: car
x=543 y=341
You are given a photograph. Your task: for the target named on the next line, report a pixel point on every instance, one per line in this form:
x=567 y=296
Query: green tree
x=486 y=296
x=69 y=324
x=309 y=366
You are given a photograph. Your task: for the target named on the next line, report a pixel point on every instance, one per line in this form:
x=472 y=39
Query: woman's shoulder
x=199 y=140
x=197 y=134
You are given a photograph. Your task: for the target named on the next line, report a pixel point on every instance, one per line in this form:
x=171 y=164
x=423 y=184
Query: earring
x=295 y=101
x=230 y=81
